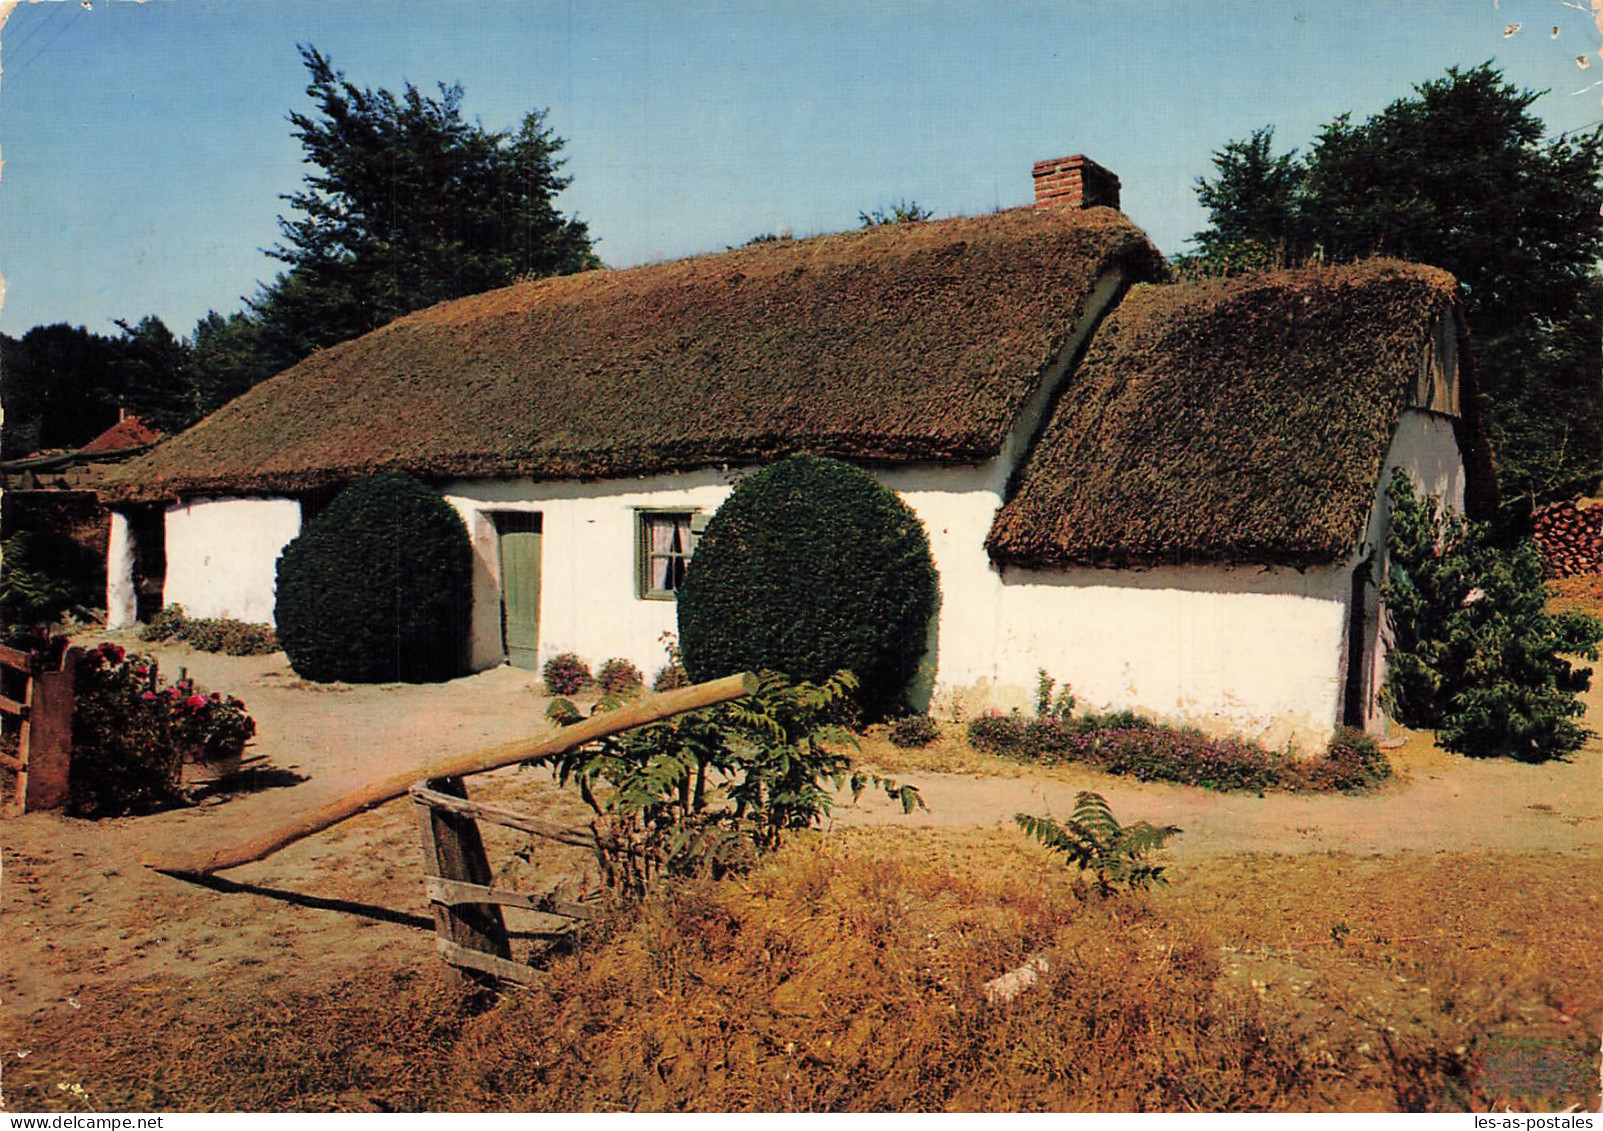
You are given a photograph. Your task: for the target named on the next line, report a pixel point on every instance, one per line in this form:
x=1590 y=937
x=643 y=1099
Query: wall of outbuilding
x=122 y=603
x=222 y=555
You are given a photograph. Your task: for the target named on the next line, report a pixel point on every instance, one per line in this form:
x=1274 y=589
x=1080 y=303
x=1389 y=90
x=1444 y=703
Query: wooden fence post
x=47 y=740
x=453 y=849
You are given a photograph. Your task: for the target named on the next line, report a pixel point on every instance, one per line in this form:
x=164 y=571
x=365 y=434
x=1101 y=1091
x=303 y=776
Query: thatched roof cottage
x=1167 y=495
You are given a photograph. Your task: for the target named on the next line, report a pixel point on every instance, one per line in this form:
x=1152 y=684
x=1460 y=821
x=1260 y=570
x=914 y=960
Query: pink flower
x=195 y=702
x=148 y=695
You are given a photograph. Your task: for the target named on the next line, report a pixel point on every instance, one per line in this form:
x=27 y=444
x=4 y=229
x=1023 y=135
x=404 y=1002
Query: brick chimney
x=1075 y=182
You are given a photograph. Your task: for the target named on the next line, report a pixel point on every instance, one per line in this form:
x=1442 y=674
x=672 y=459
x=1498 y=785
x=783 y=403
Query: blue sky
x=145 y=145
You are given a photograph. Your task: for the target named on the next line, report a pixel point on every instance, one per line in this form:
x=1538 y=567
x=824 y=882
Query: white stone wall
x=122 y=603
x=222 y=555
x=1184 y=643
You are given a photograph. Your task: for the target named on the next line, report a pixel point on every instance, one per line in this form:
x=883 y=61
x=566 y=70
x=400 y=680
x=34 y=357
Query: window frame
x=645 y=555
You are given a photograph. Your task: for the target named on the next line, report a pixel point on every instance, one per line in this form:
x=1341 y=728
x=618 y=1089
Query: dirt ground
x=82 y=922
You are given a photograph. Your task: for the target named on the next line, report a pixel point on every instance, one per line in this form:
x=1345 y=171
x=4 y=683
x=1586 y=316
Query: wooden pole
x=650 y=709
x=453 y=849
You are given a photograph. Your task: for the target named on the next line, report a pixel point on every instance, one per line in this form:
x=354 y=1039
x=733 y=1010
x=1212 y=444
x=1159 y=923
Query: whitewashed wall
x=222 y=555
x=1250 y=649
x=122 y=602
x=588 y=602
x=1185 y=643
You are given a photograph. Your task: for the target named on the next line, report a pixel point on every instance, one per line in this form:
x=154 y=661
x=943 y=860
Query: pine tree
x=407 y=205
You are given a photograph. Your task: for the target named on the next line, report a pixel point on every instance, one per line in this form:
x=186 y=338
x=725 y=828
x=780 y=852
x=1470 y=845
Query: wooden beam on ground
x=650 y=709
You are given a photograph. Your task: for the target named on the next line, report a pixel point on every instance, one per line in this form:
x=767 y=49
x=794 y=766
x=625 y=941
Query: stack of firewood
x=1570 y=537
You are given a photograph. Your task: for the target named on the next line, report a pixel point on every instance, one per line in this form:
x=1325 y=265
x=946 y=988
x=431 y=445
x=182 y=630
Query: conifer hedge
x=377 y=587
x=809 y=567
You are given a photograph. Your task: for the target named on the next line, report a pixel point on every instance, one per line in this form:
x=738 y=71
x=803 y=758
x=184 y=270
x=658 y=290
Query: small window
x=665 y=543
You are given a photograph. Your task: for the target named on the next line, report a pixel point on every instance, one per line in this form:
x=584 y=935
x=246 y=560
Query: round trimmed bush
x=378 y=587
x=809 y=567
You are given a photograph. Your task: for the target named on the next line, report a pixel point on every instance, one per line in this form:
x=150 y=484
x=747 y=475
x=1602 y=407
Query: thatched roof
x=1240 y=420
x=900 y=343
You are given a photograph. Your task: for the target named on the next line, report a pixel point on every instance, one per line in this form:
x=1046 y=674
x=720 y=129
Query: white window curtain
x=664 y=541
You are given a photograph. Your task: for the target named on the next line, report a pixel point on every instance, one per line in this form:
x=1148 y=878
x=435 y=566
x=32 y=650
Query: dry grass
x=848 y=974
x=184 y=1045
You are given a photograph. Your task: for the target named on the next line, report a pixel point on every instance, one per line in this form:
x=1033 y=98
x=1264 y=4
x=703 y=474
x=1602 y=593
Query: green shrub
x=706 y=792
x=1025 y=739
x=670 y=677
x=913 y=730
x=1475 y=654
x=1351 y=762
x=131 y=735
x=566 y=674
x=378 y=587
x=811 y=566
x=46 y=576
x=210 y=634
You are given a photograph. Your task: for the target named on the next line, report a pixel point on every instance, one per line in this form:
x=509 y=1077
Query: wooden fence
x=43 y=759
x=470 y=932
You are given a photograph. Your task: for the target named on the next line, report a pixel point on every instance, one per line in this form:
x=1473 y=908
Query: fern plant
x=1094 y=841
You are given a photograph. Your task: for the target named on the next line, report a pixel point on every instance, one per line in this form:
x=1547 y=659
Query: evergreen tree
x=153 y=377
x=60 y=388
x=228 y=358
x=408 y=205
x=1459 y=176
x=1475 y=655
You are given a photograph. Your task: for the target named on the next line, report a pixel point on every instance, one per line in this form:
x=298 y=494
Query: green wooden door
x=520 y=588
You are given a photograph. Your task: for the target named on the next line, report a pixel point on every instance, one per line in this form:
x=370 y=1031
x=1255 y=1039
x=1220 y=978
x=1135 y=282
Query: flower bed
x=1123 y=743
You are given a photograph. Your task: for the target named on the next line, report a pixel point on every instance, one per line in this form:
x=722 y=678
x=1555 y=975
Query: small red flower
x=148 y=695
x=195 y=702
